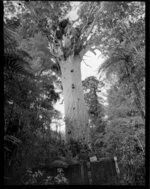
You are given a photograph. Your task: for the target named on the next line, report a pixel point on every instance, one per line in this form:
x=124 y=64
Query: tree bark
x=138 y=100
x=76 y=116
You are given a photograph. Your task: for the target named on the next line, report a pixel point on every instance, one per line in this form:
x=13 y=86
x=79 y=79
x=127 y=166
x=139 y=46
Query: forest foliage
x=31 y=73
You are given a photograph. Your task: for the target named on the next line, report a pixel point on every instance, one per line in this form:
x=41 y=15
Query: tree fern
x=15 y=59
x=126 y=65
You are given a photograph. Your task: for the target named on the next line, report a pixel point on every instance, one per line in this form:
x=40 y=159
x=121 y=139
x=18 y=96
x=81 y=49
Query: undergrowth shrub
x=39 y=178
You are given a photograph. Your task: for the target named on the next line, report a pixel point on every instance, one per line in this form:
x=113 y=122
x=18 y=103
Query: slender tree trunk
x=138 y=100
x=76 y=116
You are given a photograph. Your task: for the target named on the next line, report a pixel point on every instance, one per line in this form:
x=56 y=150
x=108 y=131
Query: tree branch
x=139 y=143
x=85 y=49
x=86 y=64
x=87 y=20
x=87 y=46
x=90 y=29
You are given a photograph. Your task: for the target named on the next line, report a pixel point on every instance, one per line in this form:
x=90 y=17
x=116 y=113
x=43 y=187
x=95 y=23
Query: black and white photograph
x=74 y=93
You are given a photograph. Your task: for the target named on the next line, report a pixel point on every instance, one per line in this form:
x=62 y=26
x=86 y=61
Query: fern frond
x=110 y=62
x=15 y=59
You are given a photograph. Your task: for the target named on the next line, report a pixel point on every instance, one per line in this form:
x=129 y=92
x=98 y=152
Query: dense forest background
x=32 y=75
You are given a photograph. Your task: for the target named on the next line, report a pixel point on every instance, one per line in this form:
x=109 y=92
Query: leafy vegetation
x=37 y=51
x=34 y=178
x=28 y=104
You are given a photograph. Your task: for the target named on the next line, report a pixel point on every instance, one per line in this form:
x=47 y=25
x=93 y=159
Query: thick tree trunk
x=76 y=116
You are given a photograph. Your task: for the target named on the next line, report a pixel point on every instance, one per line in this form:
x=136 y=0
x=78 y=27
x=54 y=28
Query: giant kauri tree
x=65 y=42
